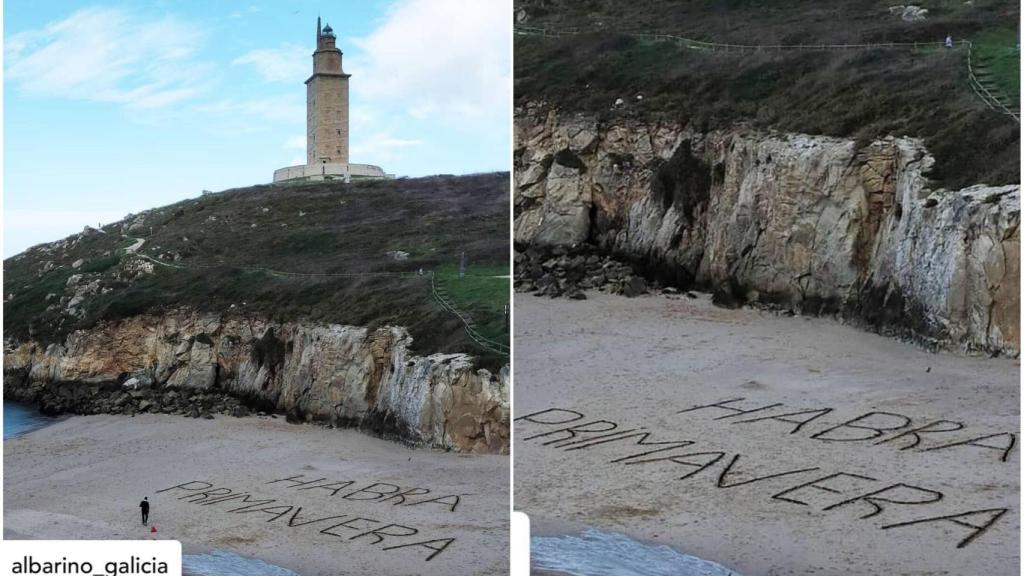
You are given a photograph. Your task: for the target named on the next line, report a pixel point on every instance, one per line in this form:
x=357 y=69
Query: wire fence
x=722 y=46
x=272 y=272
x=982 y=92
x=471 y=332
x=977 y=87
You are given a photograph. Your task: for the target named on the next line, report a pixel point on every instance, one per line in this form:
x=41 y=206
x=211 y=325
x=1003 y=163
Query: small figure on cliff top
x=949 y=41
x=144 y=505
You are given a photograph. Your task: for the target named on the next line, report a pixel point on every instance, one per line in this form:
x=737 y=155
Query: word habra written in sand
x=572 y=431
x=378 y=492
x=873 y=428
x=345 y=527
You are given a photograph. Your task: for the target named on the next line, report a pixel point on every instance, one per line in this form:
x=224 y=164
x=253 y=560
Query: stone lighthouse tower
x=327 y=120
x=326 y=103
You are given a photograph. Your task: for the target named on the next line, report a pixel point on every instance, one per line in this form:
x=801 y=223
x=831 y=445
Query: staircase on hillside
x=441 y=294
x=982 y=69
x=441 y=289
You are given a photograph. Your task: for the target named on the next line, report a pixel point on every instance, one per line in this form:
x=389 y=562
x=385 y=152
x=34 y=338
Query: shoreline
x=247 y=413
x=28 y=418
x=299 y=497
x=592 y=551
x=740 y=487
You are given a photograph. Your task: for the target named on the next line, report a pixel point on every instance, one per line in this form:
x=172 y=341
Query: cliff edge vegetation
x=862 y=94
x=358 y=254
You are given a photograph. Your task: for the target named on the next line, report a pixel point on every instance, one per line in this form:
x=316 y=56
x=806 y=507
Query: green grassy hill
x=861 y=94
x=324 y=252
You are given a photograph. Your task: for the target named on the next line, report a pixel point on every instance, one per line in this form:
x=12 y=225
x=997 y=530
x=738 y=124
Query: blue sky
x=111 y=108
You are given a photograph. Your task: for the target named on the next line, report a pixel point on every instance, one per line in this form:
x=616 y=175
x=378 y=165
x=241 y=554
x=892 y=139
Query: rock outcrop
x=339 y=375
x=812 y=223
x=556 y=271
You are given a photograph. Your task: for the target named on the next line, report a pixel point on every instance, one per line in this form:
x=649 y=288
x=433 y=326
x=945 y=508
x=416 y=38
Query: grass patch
x=861 y=95
x=101 y=264
x=996 y=52
x=307 y=242
x=483 y=293
x=26 y=315
x=313 y=228
x=772 y=21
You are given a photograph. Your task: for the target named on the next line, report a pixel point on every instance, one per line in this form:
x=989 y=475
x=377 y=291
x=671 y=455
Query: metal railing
x=272 y=272
x=987 y=97
x=473 y=334
x=977 y=87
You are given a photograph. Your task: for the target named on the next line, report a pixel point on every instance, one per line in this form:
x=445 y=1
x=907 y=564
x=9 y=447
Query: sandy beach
x=313 y=500
x=788 y=445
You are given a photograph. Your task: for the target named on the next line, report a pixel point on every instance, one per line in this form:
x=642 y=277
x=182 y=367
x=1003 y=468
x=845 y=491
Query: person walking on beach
x=144 y=505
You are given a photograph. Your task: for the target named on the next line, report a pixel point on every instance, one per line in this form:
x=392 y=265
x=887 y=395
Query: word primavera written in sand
x=573 y=431
x=332 y=526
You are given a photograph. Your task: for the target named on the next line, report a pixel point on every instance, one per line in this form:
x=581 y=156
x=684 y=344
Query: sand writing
x=344 y=527
x=874 y=427
x=382 y=492
x=570 y=430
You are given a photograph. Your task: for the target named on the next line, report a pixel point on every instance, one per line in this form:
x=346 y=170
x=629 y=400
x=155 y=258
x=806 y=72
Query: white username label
x=91 y=557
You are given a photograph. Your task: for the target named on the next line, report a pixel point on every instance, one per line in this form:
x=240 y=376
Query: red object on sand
x=152 y=530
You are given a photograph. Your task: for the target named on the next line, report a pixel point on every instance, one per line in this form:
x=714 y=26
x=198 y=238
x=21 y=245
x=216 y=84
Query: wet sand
x=753 y=493
x=83 y=478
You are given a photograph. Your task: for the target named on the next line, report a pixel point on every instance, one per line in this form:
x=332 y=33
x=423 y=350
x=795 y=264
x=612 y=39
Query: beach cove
x=23 y=418
x=312 y=500
x=765 y=443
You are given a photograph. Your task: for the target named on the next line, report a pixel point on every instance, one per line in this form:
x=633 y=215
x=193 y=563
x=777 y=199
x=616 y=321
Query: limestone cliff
x=819 y=224
x=341 y=375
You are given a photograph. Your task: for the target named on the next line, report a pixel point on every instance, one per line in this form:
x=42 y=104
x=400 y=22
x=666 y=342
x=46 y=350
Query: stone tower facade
x=326 y=103
x=327 y=121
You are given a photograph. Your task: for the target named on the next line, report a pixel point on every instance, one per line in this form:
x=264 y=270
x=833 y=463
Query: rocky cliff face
x=819 y=224
x=342 y=375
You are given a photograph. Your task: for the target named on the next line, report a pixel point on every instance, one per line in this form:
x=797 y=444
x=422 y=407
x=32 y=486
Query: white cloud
x=297 y=142
x=281 y=108
x=380 y=147
x=288 y=63
x=109 y=55
x=448 y=59
x=361 y=117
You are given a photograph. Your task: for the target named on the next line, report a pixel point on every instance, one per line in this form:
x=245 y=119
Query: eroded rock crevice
x=811 y=223
x=197 y=364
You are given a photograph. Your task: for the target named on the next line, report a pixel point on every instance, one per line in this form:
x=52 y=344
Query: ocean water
x=224 y=563
x=22 y=418
x=598 y=553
